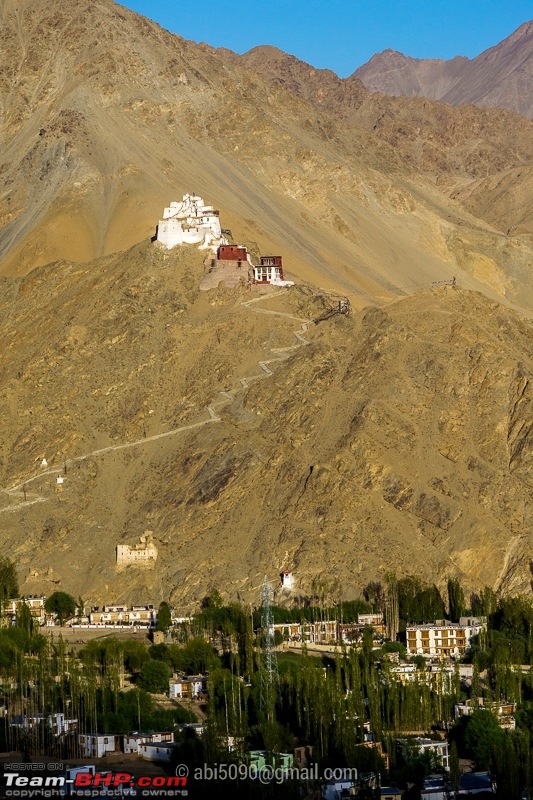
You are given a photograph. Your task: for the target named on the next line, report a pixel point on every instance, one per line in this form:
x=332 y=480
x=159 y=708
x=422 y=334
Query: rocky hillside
x=500 y=77
x=481 y=158
x=395 y=438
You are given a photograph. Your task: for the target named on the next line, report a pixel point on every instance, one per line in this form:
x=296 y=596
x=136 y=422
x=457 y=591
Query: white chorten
x=190 y=222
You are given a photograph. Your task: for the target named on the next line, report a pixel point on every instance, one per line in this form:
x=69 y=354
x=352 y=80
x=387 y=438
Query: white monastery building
x=190 y=222
x=270 y=270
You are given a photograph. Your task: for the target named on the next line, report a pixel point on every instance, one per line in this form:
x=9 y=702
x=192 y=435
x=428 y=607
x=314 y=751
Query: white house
x=270 y=270
x=436 y=787
x=34 y=602
x=195 y=727
x=187 y=686
x=287 y=580
x=156 y=751
x=190 y=222
x=96 y=745
x=133 y=741
x=503 y=711
x=57 y=723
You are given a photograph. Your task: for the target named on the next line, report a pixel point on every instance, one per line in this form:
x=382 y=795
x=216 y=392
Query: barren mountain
x=500 y=77
x=107 y=117
x=391 y=439
x=480 y=157
x=246 y=437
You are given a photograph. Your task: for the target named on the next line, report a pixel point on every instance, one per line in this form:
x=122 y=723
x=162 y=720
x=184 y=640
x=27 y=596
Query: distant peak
x=526 y=29
x=266 y=50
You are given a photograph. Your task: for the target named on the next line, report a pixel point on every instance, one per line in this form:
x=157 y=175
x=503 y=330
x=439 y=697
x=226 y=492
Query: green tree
x=198 y=656
x=507 y=769
x=9 y=586
x=455 y=770
x=456 y=599
x=24 y=618
x=483 y=736
x=154 y=677
x=61 y=604
x=164 y=617
x=418 y=602
x=213 y=600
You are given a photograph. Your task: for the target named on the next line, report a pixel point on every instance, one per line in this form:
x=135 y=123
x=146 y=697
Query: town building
x=125 y=616
x=321 y=632
x=328 y=631
x=352 y=632
x=476 y=783
x=436 y=787
x=373 y=621
x=503 y=711
x=423 y=745
x=389 y=793
x=190 y=222
x=443 y=639
x=133 y=741
x=34 y=602
x=192 y=727
x=157 y=751
x=440 y=677
x=57 y=723
x=97 y=745
x=188 y=687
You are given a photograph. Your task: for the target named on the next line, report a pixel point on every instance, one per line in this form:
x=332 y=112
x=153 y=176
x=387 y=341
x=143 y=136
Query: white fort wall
x=190 y=222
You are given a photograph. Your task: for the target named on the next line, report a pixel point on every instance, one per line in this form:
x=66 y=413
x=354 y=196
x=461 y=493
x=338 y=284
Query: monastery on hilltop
x=192 y=222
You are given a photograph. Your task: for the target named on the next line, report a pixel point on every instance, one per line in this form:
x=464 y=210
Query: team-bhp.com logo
x=87 y=780
x=115 y=779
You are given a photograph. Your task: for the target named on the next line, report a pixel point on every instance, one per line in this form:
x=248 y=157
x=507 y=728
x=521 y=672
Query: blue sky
x=342 y=34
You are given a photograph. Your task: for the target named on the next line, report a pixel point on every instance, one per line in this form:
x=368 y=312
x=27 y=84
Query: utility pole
x=269 y=666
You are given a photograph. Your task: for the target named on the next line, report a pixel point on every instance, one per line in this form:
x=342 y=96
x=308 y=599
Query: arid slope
x=397 y=438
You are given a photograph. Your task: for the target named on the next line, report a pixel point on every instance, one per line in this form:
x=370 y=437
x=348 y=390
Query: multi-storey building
x=144 y=616
x=443 y=639
x=34 y=603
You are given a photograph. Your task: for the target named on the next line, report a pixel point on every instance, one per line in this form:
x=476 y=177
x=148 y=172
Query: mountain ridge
x=499 y=77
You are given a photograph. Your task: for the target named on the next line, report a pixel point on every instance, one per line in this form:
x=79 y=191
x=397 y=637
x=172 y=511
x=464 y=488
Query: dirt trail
x=31 y=498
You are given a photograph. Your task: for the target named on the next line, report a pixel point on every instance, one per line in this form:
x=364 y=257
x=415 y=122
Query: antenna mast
x=269 y=666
